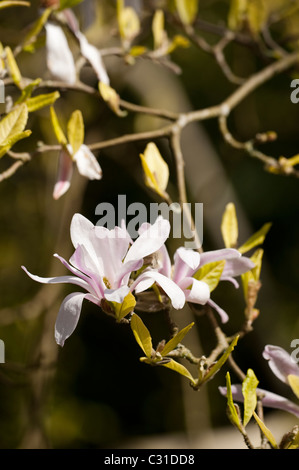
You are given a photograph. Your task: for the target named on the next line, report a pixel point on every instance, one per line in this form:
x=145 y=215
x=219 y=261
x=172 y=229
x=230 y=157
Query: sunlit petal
x=68 y=316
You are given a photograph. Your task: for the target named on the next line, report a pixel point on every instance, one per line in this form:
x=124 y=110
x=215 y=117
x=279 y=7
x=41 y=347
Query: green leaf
x=128 y=22
x=13 y=140
x=27 y=91
x=69 y=3
x=75 y=130
x=256 y=239
x=265 y=431
x=294 y=383
x=126 y=307
x=111 y=97
x=36 y=28
x=231 y=409
x=187 y=10
x=173 y=342
x=210 y=273
x=13 y=67
x=14 y=123
x=257 y=258
x=229 y=226
x=216 y=367
x=41 y=101
x=57 y=128
x=142 y=335
x=7 y=4
x=249 y=385
x=156 y=171
x=180 y=369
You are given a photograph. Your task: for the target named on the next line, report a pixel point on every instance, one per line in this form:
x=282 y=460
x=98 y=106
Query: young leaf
x=14 y=123
x=57 y=128
x=126 y=307
x=294 y=383
x=256 y=239
x=216 y=367
x=257 y=258
x=40 y=101
x=231 y=409
x=158 y=29
x=128 y=22
x=187 y=10
x=11 y=3
x=155 y=169
x=173 y=342
x=249 y=393
x=265 y=431
x=13 y=67
x=13 y=140
x=237 y=14
x=27 y=91
x=36 y=28
x=110 y=96
x=142 y=335
x=210 y=273
x=75 y=130
x=177 y=367
x=229 y=226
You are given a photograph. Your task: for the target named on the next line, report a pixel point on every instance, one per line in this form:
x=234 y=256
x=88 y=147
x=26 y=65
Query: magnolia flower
x=102 y=264
x=60 y=61
x=87 y=165
x=286 y=369
x=187 y=262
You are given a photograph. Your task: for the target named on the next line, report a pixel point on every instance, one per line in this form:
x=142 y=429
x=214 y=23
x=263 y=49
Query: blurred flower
x=60 y=61
x=87 y=165
x=102 y=264
x=286 y=369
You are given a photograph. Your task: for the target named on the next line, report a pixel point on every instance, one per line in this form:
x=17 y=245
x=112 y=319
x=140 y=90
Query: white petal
x=236 y=267
x=60 y=60
x=81 y=229
x=116 y=295
x=185 y=263
x=58 y=280
x=199 y=292
x=93 y=55
x=280 y=362
x=173 y=291
x=87 y=163
x=150 y=240
x=68 y=316
x=218 y=255
x=223 y=315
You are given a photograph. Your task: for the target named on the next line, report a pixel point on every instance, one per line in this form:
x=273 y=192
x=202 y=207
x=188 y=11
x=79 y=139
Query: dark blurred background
x=94 y=392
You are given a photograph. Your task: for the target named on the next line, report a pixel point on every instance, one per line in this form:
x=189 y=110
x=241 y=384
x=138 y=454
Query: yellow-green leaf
x=256 y=239
x=158 y=29
x=210 y=273
x=142 y=335
x=7 y=4
x=216 y=367
x=231 y=409
x=27 y=91
x=178 y=41
x=111 y=97
x=229 y=226
x=14 y=123
x=128 y=22
x=57 y=128
x=265 y=431
x=13 y=67
x=180 y=369
x=173 y=342
x=187 y=10
x=249 y=385
x=237 y=14
x=126 y=307
x=257 y=15
x=155 y=169
x=13 y=140
x=75 y=130
x=294 y=383
x=36 y=28
x=40 y=101
x=257 y=258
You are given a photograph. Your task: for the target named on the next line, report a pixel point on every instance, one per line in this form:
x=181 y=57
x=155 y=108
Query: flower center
x=107 y=283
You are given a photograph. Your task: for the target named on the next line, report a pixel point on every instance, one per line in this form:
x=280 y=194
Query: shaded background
x=94 y=392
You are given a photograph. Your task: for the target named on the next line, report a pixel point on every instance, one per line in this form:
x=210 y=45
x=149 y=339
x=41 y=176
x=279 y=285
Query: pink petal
x=64 y=176
x=185 y=263
x=280 y=362
x=237 y=266
x=218 y=255
x=223 y=315
x=59 y=280
x=68 y=316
